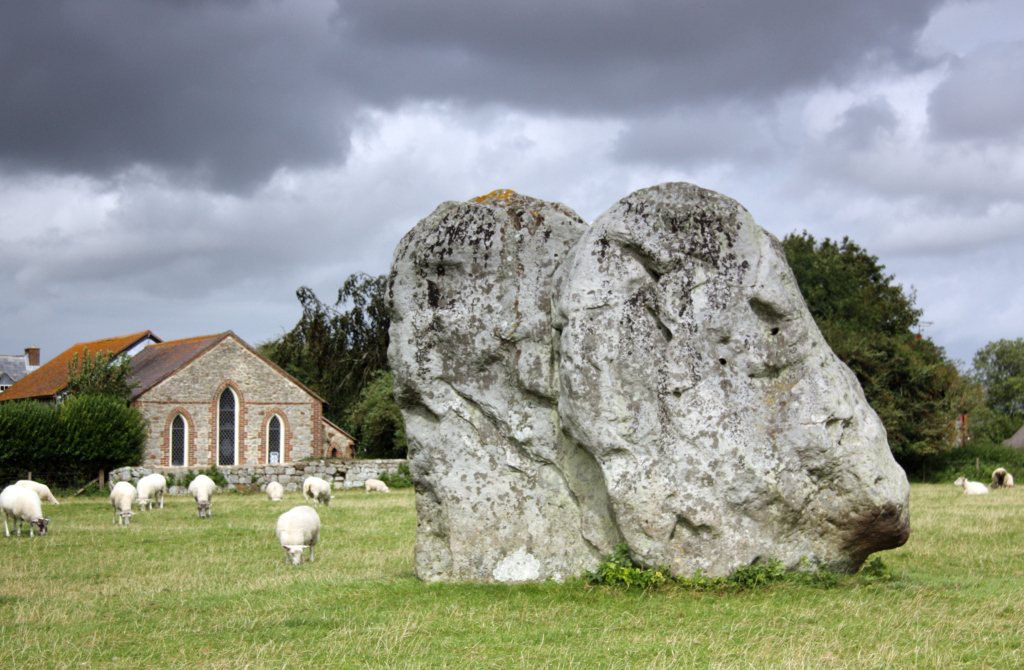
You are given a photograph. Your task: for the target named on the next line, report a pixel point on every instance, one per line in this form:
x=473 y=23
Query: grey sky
x=185 y=166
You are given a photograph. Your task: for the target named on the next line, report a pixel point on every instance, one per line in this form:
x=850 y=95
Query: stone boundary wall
x=341 y=473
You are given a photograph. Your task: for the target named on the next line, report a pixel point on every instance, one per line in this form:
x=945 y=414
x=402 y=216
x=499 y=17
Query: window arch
x=227 y=428
x=274 y=439
x=179 y=441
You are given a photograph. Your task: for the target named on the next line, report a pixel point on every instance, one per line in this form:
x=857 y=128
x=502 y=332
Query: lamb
x=971 y=488
x=1001 y=479
x=376 y=485
x=42 y=490
x=121 y=497
x=22 y=504
x=317 y=489
x=202 y=488
x=297 y=529
x=151 y=489
x=275 y=491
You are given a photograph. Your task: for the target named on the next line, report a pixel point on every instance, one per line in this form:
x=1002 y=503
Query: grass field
x=175 y=591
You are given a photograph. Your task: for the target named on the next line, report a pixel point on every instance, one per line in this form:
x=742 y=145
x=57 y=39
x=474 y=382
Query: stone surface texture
x=655 y=379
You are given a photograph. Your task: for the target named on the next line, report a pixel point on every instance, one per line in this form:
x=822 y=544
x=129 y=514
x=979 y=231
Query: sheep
x=42 y=490
x=275 y=491
x=317 y=489
x=971 y=488
x=151 y=489
x=297 y=529
x=202 y=488
x=1001 y=479
x=121 y=498
x=376 y=485
x=22 y=504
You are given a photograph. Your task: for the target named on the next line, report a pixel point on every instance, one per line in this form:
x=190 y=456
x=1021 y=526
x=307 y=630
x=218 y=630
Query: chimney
x=32 y=354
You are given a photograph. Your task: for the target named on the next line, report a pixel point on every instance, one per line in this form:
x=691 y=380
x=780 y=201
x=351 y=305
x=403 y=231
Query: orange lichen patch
x=51 y=378
x=495 y=196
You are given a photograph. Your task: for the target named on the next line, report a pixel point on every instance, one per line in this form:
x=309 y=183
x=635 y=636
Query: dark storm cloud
x=601 y=56
x=983 y=97
x=225 y=90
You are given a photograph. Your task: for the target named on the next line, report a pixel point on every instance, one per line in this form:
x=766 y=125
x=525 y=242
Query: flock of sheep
x=298 y=529
x=1001 y=479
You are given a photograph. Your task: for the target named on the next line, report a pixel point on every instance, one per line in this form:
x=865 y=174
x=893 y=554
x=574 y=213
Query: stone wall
x=341 y=473
x=261 y=391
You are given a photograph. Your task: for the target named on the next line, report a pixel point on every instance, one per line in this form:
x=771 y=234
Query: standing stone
x=501 y=492
x=655 y=379
x=692 y=371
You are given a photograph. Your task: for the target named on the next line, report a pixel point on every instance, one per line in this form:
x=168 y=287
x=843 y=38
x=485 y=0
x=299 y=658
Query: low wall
x=341 y=473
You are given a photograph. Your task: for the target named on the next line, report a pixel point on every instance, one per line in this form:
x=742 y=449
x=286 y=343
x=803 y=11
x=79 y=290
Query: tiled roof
x=51 y=378
x=159 y=361
x=13 y=365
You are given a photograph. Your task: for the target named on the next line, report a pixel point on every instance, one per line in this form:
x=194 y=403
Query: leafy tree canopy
x=336 y=349
x=376 y=421
x=100 y=374
x=999 y=367
x=867 y=319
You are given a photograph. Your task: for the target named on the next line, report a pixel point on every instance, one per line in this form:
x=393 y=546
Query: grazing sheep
x=202 y=488
x=22 y=504
x=151 y=489
x=297 y=529
x=376 y=485
x=42 y=490
x=275 y=491
x=971 y=488
x=121 y=497
x=317 y=489
x=1001 y=479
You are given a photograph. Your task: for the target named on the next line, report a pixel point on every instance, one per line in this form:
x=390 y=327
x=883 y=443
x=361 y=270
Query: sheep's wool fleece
x=655 y=378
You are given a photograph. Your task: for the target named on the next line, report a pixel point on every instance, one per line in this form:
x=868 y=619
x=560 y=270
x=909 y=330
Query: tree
x=376 y=421
x=102 y=432
x=100 y=374
x=868 y=319
x=999 y=369
x=337 y=349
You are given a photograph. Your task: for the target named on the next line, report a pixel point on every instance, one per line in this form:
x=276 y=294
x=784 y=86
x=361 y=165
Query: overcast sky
x=184 y=166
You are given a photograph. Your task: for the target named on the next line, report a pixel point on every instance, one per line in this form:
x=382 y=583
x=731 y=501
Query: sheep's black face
x=43 y=524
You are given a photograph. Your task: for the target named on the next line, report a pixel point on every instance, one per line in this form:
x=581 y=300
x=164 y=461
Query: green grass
x=175 y=591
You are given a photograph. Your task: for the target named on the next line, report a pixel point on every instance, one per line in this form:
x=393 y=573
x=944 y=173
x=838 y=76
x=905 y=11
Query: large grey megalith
x=655 y=379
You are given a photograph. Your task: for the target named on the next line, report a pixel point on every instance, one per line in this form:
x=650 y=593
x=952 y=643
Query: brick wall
x=194 y=391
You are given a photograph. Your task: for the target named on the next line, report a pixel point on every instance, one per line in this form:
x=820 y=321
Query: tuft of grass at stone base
x=175 y=591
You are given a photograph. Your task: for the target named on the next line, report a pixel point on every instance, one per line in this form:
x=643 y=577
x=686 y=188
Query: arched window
x=274 y=440
x=227 y=428
x=179 y=441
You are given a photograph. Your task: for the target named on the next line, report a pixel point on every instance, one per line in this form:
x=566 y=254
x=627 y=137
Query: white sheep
x=151 y=489
x=22 y=504
x=1001 y=479
x=121 y=498
x=202 y=488
x=317 y=489
x=971 y=488
x=376 y=485
x=297 y=529
x=275 y=491
x=42 y=490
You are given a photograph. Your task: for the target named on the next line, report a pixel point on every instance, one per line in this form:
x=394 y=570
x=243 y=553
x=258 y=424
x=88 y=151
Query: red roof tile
x=51 y=378
x=158 y=361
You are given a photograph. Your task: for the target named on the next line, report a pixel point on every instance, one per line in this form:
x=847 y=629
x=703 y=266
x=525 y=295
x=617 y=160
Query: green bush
x=401 y=480
x=976 y=461
x=102 y=432
x=30 y=438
